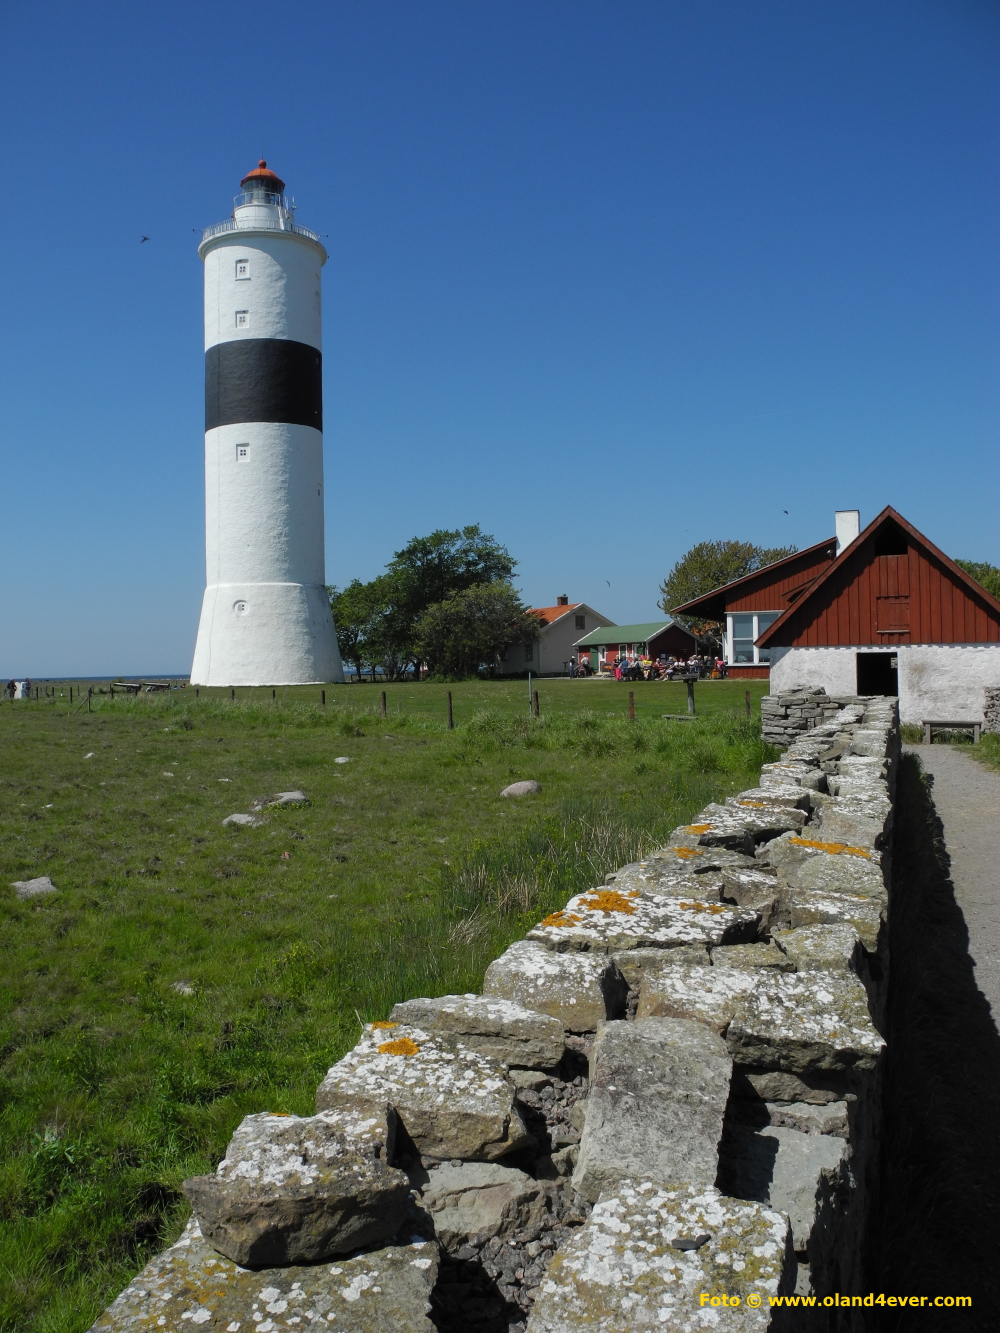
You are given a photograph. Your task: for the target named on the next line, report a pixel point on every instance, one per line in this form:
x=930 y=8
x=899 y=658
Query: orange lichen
x=610 y=900
x=713 y=908
x=561 y=918
x=383 y=1024
x=697 y=828
x=757 y=805
x=686 y=852
x=834 y=848
x=402 y=1046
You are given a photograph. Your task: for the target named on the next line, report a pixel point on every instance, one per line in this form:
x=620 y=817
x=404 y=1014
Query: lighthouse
x=265 y=618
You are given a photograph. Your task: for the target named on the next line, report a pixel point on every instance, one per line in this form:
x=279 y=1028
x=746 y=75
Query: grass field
x=404 y=876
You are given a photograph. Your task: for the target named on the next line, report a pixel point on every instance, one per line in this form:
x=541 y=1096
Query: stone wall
x=785 y=716
x=665 y=1102
x=991 y=709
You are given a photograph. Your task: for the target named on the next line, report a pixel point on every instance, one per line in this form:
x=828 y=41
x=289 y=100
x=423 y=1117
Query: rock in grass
x=506 y=1031
x=34 y=888
x=191 y=1286
x=185 y=988
x=607 y=920
x=452 y=1101
x=658 y=1091
x=280 y=799
x=296 y=1190
x=472 y=1201
x=805 y=1022
x=528 y=788
x=580 y=989
x=244 y=821
x=632 y=1266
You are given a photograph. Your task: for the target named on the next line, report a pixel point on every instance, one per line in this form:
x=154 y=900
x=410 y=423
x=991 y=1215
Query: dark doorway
x=877 y=673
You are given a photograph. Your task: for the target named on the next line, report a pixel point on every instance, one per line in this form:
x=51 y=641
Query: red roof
x=261 y=176
x=547 y=614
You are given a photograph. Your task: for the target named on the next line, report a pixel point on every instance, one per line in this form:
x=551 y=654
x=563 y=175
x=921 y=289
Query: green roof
x=623 y=634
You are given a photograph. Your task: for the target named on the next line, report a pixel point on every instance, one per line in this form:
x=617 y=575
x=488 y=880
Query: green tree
x=986 y=575
x=710 y=565
x=356 y=611
x=469 y=628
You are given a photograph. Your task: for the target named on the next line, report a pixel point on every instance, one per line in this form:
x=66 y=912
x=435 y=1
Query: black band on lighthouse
x=263 y=379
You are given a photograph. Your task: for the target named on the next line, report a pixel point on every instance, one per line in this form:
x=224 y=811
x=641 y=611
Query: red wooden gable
x=890 y=586
x=772 y=588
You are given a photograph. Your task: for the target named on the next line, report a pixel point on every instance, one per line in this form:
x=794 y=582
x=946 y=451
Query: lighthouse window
x=242 y=319
x=242 y=269
x=242 y=453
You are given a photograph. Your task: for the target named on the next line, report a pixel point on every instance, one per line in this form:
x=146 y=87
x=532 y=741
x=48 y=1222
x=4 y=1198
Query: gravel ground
x=967 y=798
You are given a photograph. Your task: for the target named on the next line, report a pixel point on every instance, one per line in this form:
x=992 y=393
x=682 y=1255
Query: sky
x=607 y=279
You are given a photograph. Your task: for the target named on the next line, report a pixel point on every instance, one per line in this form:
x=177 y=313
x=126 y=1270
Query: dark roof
x=888 y=515
x=713 y=604
x=605 y=634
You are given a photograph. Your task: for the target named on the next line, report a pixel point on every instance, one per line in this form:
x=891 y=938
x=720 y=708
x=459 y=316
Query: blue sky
x=607 y=279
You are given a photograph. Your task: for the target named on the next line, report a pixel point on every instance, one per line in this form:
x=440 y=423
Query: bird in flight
x=784 y=511
x=144 y=240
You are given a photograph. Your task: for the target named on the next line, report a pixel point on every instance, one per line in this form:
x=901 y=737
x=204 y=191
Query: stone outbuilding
x=883 y=611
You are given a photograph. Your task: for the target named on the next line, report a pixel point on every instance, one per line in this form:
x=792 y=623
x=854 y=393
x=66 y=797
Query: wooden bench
x=931 y=727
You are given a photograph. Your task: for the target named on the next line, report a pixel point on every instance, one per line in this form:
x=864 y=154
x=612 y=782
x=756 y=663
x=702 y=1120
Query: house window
x=243 y=319
x=529 y=652
x=743 y=627
x=581 y=622
x=242 y=269
x=242 y=453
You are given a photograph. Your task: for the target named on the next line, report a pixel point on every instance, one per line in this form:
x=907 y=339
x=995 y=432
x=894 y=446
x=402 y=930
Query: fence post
x=451 y=720
x=323 y=697
x=232 y=695
x=90 y=695
x=749 y=709
x=631 y=705
x=272 y=696
x=383 y=703
x=690 y=686
x=71 y=694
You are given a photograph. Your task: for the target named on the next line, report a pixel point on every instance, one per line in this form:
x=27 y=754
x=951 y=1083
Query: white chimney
x=848 y=527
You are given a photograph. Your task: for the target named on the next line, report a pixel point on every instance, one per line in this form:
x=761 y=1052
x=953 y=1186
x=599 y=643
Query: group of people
x=19 y=689
x=667 y=668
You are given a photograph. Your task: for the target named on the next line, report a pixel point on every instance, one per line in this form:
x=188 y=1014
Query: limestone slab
x=633 y=964
x=855 y=875
x=470 y=1202
x=805 y=1022
x=661 y=877
x=623 y=1272
x=658 y=1090
x=827 y=948
x=790 y=795
x=830 y=1118
x=298 y=1189
x=764 y=819
x=190 y=1286
x=709 y=995
x=866 y=915
x=749 y=957
x=607 y=920
x=715 y=826
x=793 y=1172
x=580 y=989
x=787 y=853
x=452 y=1101
x=506 y=1031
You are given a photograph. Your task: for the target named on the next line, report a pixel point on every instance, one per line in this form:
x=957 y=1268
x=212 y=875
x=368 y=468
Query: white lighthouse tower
x=266 y=617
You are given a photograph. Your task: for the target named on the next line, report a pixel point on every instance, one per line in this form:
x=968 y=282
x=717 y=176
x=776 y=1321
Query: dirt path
x=967 y=798
x=935 y=1227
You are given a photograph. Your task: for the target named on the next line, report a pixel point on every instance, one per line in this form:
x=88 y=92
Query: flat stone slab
x=749 y=957
x=871 y=741
x=787 y=853
x=790 y=795
x=685 y=853
x=658 y=1091
x=580 y=989
x=606 y=920
x=866 y=915
x=452 y=1101
x=827 y=948
x=856 y=821
x=297 y=1189
x=830 y=1118
x=633 y=964
x=623 y=1272
x=665 y=878
x=764 y=819
x=708 y=995
x=789 y=773
x=855 y=875
x=805 y=1022
x=715 y=826
x=191 y=1286
x=472 y=1201
x=506 y=1031
x=34 y=888
x=793 y=1172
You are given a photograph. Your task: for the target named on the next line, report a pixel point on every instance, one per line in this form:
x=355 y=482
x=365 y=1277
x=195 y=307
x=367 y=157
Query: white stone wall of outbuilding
x=937 y=681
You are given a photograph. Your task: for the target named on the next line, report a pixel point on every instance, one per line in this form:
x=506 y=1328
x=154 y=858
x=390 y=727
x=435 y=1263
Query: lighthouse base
x=266 y=634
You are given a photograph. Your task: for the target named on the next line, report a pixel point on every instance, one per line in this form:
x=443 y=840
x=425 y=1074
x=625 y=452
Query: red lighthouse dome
x=262 y=179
